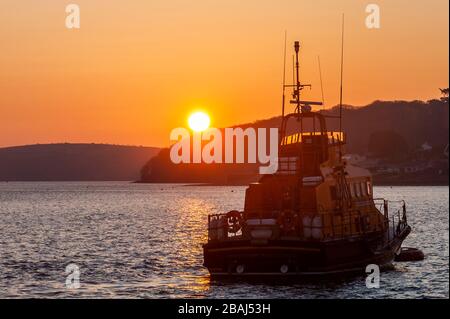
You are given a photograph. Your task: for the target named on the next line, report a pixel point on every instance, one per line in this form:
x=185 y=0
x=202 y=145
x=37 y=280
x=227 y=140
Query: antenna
x=321 y=83
x=342 y=74
x=341 y=90
x=284 y=74
x=293 y=70
x=297 y=67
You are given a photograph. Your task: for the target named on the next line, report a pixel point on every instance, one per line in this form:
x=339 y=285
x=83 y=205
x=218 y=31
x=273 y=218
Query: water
x=144 y=241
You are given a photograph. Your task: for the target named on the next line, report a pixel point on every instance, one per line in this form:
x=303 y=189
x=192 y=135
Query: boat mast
x=301 y=106
x=297 y=86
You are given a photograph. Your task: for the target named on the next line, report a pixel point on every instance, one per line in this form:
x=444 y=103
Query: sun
x=199 y=121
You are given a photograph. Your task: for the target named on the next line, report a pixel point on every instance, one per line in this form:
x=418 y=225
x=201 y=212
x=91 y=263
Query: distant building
x=426 y=147
x=354 y=159
x=417 y=167
x=391 y=170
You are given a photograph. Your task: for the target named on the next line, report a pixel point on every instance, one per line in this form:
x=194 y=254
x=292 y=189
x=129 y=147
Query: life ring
x=234 y=219
x=288 y=220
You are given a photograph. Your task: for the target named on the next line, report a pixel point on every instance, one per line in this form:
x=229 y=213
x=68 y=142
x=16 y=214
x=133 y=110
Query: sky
x=136 y=69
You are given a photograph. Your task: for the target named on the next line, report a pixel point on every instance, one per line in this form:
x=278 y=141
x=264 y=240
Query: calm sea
x=144 y=241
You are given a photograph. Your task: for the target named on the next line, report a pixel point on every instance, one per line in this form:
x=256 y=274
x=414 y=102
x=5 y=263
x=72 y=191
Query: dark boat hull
x=300 y=258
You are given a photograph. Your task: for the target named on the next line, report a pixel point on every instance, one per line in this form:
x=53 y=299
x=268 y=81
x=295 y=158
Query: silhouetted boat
x=315 y=216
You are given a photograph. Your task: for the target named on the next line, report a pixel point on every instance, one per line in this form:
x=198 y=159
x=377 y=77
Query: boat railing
x=221 y=227
x=395 y=217
x=334 y=138
x=306 y=226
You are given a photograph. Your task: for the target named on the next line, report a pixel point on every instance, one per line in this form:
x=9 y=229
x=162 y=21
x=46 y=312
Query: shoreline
x=386 y=184
x=184 y=183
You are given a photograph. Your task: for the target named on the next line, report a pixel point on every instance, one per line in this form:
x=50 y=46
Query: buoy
x=284 y=269
x=409 y=254
x=240 y=269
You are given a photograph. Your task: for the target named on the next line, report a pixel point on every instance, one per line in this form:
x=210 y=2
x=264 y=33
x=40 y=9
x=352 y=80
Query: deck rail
x=396 y=219
x=309 y=226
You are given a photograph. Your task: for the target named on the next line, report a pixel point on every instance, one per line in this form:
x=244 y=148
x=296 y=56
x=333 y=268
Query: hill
x=417 y=122
x=412 y=124
x=73 y=162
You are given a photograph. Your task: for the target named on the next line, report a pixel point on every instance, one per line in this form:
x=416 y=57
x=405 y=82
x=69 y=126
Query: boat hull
x=300 y=258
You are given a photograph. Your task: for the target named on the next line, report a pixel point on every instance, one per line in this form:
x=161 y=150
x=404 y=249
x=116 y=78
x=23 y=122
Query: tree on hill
x=445 y=93
x=388 y=144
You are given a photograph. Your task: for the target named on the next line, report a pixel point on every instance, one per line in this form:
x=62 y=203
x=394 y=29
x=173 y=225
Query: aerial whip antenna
x=340 y=94
x=298 y=86
x=321 y=83
x=342 y=73
x=284 y=74
x=293 y=70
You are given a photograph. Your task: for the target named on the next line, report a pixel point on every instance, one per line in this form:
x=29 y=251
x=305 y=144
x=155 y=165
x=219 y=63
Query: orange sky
x=136 y=69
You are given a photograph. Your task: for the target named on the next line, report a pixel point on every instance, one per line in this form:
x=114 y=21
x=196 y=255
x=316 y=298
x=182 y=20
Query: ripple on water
x=144 y=241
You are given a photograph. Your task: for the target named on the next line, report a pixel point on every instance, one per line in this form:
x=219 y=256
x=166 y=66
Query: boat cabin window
x=308 y=137
x=287 y=165
x=352 y=190
x=358 y=189
x=369 y=189
x=363 y=189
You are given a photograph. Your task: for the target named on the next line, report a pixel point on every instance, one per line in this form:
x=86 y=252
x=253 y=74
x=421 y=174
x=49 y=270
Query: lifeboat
x=315 y=216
